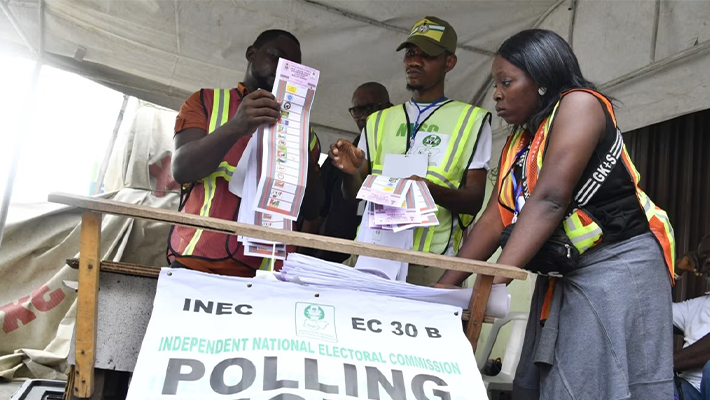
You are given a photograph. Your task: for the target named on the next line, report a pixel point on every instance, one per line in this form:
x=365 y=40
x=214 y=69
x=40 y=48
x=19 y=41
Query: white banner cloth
x=215 y=337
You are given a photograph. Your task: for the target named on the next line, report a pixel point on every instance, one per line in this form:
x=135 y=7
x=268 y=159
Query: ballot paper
x=397 y=204
x=312 y=271
x=284 y=156
x=384 y=190
x=270 y=178
x=248 y=172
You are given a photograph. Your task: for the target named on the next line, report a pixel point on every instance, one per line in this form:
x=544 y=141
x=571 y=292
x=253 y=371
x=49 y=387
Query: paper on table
x=312 y=271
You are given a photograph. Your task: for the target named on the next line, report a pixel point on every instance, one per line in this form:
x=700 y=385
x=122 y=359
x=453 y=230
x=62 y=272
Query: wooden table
x=90 y=266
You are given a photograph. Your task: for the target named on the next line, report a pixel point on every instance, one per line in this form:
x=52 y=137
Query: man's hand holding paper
x=257 y=108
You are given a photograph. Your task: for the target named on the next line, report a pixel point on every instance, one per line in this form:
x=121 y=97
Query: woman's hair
x=550 y=62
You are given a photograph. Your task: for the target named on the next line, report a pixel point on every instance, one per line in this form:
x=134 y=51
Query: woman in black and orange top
x=600 y=322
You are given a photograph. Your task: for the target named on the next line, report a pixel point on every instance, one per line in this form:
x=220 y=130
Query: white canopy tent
x=651 y=55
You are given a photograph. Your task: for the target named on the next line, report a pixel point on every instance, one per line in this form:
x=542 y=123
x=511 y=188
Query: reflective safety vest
x=211 y=197
x=579 y=226
x=462 y=123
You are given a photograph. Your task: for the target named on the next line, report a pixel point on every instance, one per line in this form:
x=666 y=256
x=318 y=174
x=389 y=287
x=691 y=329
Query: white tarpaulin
x=37 y=310
x=162 y=50
x=210 y=336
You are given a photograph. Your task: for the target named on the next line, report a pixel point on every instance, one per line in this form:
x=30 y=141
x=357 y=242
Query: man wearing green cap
x=455 y=136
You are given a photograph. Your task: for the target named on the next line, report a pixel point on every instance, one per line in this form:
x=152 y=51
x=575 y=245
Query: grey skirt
x=609 y=332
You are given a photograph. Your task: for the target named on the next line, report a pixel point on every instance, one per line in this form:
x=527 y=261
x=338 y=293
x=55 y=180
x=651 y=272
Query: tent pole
x=109 y=149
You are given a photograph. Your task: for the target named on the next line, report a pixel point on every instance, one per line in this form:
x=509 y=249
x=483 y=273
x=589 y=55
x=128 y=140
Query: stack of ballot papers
x=310 y=271
x=397 y=204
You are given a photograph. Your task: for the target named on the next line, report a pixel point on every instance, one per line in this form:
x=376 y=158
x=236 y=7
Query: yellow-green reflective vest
x=386 y=133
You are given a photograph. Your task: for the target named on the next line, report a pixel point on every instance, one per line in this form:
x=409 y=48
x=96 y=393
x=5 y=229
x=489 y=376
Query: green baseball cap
x=432 y=35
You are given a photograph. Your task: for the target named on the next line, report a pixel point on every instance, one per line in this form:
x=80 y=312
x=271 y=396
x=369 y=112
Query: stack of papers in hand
x=397 y=204
x=315 y=272
x=248 y=192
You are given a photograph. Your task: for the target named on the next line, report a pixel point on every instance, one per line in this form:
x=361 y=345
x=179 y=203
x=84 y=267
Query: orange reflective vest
x=582 y=230
x=211 y=197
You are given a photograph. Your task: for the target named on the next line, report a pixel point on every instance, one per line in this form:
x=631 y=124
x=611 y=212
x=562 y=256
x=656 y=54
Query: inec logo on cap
x=431 y=141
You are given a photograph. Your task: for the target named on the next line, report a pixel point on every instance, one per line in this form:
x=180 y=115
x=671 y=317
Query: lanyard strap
x=517 y=186
x=420 y=111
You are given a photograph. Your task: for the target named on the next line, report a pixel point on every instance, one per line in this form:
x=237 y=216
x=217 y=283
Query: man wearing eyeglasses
x=455 y=137
x=340 y=216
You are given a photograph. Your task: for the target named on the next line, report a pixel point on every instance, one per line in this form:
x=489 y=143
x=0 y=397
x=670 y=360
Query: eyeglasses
x=366 y=110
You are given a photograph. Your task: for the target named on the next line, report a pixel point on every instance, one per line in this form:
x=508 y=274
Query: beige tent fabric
x=37 y=311
x=162 y=50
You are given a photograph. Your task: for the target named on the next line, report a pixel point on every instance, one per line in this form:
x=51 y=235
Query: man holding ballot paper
x=442 y=142
x=212 y=135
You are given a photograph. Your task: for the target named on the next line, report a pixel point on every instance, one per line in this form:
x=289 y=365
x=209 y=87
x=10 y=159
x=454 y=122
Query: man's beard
x=262 y=82
x=413 y=88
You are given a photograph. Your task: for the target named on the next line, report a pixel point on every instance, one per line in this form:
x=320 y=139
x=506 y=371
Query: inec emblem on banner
x=214 y=337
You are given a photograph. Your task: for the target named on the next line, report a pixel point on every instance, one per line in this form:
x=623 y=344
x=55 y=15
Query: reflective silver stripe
x=586 y=236
x=377 y=124
x=664 y=219
x=219 y=110
x=646 y=203
x=377 y=171
x=423 y=240
x=443 y=179
x=570 y=225
x=229 y=172
x=459 y=137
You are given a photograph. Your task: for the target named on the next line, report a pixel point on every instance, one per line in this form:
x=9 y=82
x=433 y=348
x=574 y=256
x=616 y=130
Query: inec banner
x=216 y=337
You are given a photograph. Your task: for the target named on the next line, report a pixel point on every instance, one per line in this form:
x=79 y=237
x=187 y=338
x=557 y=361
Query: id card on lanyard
x=518 y=195
x=412 y=133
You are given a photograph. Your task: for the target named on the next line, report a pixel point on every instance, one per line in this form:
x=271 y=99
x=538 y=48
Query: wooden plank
x=486 y=320
x=122 y=268
x=294 y=238
x=154 y=272
x=87 y=302
x=477 y=308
